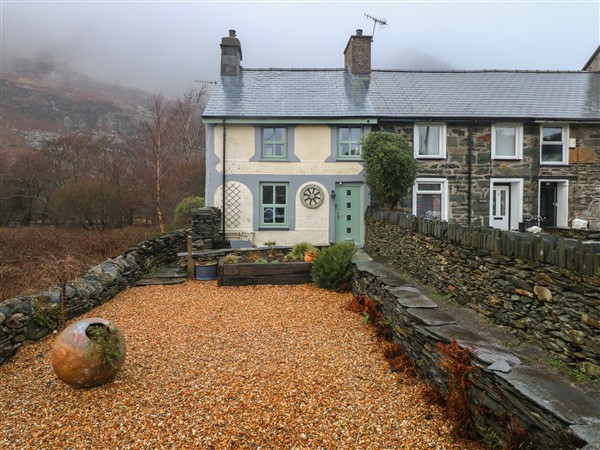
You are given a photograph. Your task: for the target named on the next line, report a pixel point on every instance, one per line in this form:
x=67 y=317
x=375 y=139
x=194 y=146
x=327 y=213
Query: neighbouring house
x=492 y=147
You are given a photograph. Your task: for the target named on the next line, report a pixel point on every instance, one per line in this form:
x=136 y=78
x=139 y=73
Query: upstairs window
x=554 y=148
x=274 y=143
x=430 y=140
x=507 y=141
x=349 y=142
x=274 y=205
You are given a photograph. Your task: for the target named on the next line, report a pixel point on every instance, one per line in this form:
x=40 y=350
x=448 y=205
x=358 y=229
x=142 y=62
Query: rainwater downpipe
x=470 y=174
x=224 y=153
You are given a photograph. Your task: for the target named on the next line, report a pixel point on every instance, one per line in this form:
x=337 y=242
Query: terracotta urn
x=88 y=353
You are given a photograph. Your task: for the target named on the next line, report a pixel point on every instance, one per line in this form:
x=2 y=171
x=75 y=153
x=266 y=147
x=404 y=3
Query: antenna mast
x=382 y=23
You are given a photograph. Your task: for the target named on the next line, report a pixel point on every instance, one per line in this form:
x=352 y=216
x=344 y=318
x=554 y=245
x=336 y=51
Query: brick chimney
x=357 y=55
x=231 y=55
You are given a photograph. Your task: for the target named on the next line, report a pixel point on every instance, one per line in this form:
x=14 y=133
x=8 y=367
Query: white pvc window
x=430 y=140
x=430 y=198
x=507 y=141
x=554 y=144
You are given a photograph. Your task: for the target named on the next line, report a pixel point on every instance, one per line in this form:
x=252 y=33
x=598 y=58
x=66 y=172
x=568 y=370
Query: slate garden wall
x=544 y=287
x=30 y=317
x=511 y=404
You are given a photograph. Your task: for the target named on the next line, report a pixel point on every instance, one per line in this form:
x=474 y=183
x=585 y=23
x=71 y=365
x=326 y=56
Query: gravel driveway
x=232 y=367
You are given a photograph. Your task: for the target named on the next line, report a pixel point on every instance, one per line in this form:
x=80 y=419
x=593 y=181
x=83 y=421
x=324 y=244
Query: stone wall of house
x=544 y=287
x=508 y=400
x=582 y=172
x=27 y=318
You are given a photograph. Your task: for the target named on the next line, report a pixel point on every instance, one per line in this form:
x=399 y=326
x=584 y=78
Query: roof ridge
x=480 y=71
x=316 y=69
x=291 y=69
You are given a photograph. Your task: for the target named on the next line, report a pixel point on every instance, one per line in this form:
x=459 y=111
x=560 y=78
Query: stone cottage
x=493 y=148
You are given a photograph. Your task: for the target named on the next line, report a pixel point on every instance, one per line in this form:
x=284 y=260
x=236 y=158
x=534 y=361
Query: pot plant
x=304 y=251
x=88 y=353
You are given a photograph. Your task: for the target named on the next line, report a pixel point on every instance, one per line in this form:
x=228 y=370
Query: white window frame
x=443 y=190
x=518 y=140
x=441 y=143
x=564 y=143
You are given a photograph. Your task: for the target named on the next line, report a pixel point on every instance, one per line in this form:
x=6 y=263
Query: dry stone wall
x=508 y=400
x=27 y=318
x=543 y=287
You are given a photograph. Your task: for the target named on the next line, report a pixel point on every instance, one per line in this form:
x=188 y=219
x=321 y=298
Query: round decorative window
x=312 y=196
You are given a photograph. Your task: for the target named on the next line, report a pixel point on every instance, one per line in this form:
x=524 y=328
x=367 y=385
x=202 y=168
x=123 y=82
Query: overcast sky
x=168 y=45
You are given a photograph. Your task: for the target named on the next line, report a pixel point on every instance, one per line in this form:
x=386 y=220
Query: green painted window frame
x=274 y=205
x=349 y=142
x=274 y=142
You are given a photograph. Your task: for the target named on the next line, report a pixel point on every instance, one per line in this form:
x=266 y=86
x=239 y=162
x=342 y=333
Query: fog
x=168 y=46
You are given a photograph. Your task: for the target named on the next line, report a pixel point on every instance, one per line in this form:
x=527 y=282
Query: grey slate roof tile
x=311 y=93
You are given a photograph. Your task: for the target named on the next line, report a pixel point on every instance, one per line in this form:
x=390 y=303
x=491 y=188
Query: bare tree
x=157 y=133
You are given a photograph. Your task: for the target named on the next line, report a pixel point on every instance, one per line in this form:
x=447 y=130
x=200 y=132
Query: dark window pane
x=552 y=153
x=354 y=149
x=349 y=205
x=429 y=205
x=279 y=215
x=268 y=194
x=348 y=217
x=268 y=215
x=429 y=186
x=280 y=197
x=552 y=134
x=345 y=149
x=348 y=230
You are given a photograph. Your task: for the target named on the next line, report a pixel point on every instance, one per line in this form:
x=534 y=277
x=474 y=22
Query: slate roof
x=329 y=93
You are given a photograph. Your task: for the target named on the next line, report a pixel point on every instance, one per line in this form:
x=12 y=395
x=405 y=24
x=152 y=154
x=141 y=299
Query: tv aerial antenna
x=382 y=23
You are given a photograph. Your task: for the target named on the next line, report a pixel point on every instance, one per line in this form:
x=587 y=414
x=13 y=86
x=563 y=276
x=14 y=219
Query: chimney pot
x=359 y=32
x=231 y=33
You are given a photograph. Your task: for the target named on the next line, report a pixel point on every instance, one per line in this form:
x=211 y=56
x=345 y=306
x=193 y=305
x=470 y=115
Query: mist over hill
x=41 y=100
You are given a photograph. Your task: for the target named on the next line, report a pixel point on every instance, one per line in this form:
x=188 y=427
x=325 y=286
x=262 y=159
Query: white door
x=500 y=207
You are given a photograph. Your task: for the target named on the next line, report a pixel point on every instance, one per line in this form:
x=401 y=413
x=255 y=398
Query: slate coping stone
x=560 y=399
x=499 y=366
x=483 y=350
x=431 y=317
x=412 y=298
x=589 y=433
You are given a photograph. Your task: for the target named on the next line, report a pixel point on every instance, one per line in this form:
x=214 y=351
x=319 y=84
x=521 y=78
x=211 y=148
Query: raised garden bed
x=242 y=273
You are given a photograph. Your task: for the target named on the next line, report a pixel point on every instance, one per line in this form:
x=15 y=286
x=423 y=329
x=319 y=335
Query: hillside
x=41 y=100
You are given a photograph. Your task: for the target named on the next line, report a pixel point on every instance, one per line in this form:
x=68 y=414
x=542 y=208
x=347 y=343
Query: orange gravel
x=233 y=367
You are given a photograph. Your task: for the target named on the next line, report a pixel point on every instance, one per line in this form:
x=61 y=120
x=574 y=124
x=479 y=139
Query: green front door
x=348 y=212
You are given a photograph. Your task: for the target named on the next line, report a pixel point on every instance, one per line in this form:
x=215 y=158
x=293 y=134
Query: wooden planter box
x=242 y=274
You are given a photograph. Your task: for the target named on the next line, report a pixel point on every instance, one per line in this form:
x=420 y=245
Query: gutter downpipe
x=223 y=206
x=470 y=174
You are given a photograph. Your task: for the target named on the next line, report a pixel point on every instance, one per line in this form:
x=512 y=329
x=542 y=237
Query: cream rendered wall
x=240 y=145
x=313 y=143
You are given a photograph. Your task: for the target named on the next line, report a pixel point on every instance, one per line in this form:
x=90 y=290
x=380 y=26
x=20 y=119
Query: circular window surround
x=312 y=196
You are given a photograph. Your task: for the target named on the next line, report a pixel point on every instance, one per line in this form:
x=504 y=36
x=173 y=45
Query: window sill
x=430 y=157
x=273 y=229
x=558 y=163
